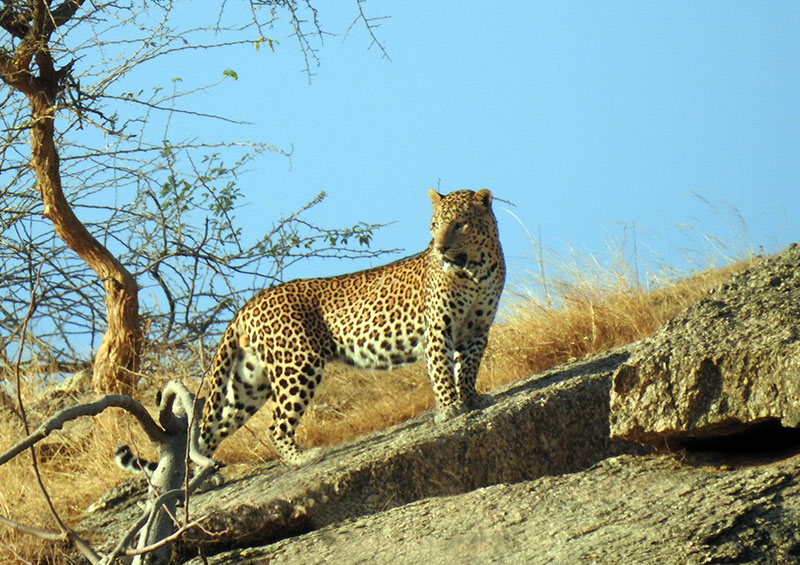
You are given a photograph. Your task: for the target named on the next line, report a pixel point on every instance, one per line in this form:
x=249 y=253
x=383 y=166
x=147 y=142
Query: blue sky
x=597 y=121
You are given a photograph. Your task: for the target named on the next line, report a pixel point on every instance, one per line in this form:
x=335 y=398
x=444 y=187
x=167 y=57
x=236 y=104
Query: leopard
x=438 y=305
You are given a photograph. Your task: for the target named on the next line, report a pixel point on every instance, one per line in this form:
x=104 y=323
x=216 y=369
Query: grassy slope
x=590 y=316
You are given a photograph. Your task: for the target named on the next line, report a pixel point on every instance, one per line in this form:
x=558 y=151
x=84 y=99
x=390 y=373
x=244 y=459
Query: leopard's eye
x=434 y=226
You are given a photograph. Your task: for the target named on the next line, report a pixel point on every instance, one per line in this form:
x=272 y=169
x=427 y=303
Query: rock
x=76 y=384
x=7 y=393
x=727 y=365
x=645 y=510
x=551 y=424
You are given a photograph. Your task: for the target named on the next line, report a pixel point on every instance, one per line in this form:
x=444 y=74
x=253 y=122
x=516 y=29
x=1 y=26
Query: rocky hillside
x=681 y=448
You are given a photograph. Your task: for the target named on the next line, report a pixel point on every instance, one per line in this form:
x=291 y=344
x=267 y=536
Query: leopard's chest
x=468 y=296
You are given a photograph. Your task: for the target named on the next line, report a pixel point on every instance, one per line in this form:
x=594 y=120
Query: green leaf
x=230 y=73
x=271 y=43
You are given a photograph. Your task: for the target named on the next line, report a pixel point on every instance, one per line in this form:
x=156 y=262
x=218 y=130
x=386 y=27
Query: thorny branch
x=184 y=276
x=370 y=25
x=125 y=165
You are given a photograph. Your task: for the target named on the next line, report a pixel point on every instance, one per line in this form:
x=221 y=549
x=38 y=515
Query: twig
x=370 y=28
x=30 y=530
x=131 y=532
x=167 y=540
x=161 y=500
x=22 y=336
x=178 y=415
x=76 y=540
x=16 y=555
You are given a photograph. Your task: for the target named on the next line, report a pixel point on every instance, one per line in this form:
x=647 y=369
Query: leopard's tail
x=127 y=461
x=177 y=396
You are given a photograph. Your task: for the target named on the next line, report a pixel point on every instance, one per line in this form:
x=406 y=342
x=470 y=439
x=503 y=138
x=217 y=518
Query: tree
x=171 y=227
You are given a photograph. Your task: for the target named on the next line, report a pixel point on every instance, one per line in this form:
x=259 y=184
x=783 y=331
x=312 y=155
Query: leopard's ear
x=434 y=196
x=484 y=195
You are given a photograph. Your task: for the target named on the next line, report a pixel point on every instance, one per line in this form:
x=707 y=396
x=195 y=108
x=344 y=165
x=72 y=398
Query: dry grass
x=74 y=464
x=585 y=317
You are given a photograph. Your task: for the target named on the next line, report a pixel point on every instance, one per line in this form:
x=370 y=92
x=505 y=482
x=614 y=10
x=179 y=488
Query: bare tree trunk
x=117 y=358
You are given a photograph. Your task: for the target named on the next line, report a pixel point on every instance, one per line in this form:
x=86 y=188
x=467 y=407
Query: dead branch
x=176 y=494
x=370 y=25
x=167 y=540
x=178 y=444
x=57 y=421
x=30 y=530
x=186 y=405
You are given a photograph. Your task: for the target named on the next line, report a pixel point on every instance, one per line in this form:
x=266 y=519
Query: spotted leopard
x=438 y=304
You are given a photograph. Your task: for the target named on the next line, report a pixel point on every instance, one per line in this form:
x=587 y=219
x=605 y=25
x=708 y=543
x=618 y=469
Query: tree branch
x=167 y=540
x=64 y=12
x=77 y=541
x=31 y=531
x=14 y=22
x=56 y=422
x=368 y=23
x=157 y=503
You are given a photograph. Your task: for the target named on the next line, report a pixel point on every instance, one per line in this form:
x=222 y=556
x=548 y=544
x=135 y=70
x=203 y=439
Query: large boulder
x=727 y=367
x=651 y=510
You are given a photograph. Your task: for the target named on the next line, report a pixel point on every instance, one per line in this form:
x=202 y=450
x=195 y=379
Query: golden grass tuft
x=584 y=316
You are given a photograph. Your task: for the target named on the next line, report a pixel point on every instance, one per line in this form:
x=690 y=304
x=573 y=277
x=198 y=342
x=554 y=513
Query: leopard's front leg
x=440 y=360
x=468 y=360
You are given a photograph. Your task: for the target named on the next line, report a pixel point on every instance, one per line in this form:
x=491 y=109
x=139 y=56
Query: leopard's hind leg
x=294 y=387
x=240 y=385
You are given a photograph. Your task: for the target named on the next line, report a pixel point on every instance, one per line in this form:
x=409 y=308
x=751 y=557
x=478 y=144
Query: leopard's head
x=463 y=228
